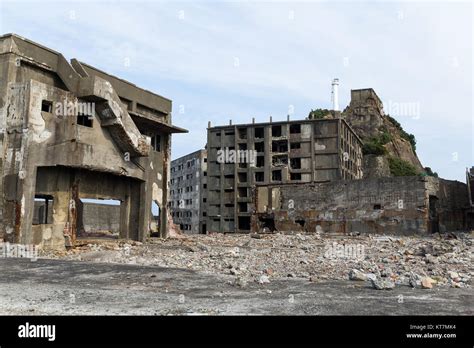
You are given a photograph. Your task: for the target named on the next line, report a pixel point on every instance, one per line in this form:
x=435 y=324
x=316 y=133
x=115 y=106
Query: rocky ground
x=383 y=262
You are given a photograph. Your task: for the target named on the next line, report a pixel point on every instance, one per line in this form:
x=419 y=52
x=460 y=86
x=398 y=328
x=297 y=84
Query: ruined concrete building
x=188 y=195
x=304 y=151
x=69 y=131
x=390 y=205
x=303 y=175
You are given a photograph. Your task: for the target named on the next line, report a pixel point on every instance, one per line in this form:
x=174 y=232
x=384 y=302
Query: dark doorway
x=433 y=214
x=267 y=223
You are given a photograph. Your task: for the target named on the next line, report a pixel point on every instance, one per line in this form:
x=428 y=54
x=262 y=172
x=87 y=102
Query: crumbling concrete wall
x=62 y=152
x=448 y=202
x=398 y=205
x=101 y=218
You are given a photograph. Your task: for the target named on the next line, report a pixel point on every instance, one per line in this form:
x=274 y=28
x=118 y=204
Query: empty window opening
x=243 y=192
x=276 y=131
x=295 y=176
x=295 y=163
x=156 y=142
x=43 y=210
x=300 y=221
x=229 y=133
x=243 y=133
x=259 y=133
x=155 y=220
x=98 y=218
x=260 y=161
x=377 y=206
x=259 y=177
x=242 y=177
x=47 y=106
x=243 y=207
x=276 y=175
x=278 y=161
x=244 y=223
x=243 y=146
x=279 y=146
x=295 y=128
x=84 y=120
x=260 y=147
x=267 y=223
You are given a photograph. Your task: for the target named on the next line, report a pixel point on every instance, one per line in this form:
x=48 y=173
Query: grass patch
x=399 y=167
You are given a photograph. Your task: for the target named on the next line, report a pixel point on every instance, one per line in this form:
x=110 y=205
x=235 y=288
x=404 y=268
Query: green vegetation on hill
x=429 y=172
x=399 y=167
x=318 y=114
x=375 y=145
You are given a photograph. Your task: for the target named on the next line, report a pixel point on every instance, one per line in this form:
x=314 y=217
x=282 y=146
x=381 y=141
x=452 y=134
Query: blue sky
x=242 y=59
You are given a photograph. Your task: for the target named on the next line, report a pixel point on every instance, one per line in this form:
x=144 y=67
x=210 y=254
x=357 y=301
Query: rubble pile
x=382 y=262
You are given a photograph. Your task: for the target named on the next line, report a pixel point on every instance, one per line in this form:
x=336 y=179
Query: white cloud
x=408 y=52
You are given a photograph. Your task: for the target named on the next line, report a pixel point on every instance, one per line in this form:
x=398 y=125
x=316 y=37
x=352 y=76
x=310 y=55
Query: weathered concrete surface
x=390 y=205
x=52 y=287
x=44 y=133
x=297 y=151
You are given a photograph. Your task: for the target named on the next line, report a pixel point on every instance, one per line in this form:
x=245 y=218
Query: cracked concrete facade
x=52 y=149
x=391 y=205
x=296 y=152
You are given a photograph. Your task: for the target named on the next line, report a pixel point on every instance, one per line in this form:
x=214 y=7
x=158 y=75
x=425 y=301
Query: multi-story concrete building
x=69 y=131
x=303 y=151
x=188 y=192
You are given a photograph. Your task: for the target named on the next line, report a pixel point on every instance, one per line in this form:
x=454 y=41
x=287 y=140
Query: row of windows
x=189 y=164
x=181 y=203
x=276 y=131
x=182 y=214
x=185 y=189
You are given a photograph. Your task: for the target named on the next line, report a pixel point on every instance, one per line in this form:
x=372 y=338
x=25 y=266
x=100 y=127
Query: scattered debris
x=355 y=274
x=382 y=284
x=427 y=282
x=263 y=279
x=404 y=261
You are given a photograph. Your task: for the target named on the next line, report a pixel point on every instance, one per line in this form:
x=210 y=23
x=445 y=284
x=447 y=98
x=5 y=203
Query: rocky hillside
x=388 y=149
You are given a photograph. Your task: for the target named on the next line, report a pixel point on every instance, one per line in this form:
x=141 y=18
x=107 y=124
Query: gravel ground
x=59 y=287
x=426 y=262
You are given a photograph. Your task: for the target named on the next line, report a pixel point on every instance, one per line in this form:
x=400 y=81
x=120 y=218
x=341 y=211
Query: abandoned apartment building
x=290 y=152
x=188 y=196
x=308 y=177
x=70 y=132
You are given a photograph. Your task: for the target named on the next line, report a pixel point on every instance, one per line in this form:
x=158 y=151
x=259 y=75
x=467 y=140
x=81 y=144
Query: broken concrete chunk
x=427 y=282
x=355 y=274
x=382 y=284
